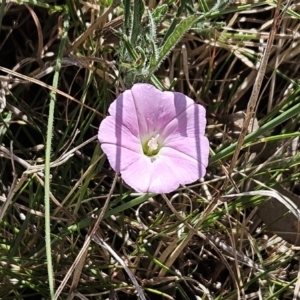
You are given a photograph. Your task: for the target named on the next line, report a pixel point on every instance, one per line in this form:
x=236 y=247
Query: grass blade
x=48 y=155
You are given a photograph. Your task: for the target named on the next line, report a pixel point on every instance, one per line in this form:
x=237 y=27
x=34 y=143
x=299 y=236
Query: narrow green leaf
x=126 y=15
x=152 y=40
x=174 y=38
x=295 y=110
x=152 y=26
x=157 y=83
x=203 y=6
x=131 y=51
x=220 y=5
x=138 y=11
x=159 y=13
x=170 y=30
x=154 y=54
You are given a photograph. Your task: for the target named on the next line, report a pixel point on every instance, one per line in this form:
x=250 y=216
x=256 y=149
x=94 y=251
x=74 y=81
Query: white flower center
x=153 y=143
x=152 y=146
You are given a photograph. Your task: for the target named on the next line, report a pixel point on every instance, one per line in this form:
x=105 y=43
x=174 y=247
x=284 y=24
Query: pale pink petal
x=163 y=173
x=115 y=133
x=188 y=154
x=123 y=110
x=190 y=123
x=145 y=110
x=151 y=175
x=156 y=109
x=142 y=173
x=121 y=158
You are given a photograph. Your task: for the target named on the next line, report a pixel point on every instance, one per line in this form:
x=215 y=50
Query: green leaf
x=138 y=11
x=130 y=50
x=203 y=6
x=174 y=38
x=152 y=27
x=127 y=14
x=159 y=13
x=152 y=40
x=140 y=63
x=170 y=29
x=154 y=54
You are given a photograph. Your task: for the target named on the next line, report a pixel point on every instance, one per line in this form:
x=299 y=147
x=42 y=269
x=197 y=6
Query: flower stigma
x=152 y=147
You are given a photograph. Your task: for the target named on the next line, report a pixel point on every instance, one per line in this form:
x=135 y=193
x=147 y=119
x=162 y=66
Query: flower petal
x=145 y=111
x=150 y=175
x=174 y=165
x=188 y=154
x=190 y=123
x=114 y=133
x=156 y=109
x=120 y=158
x=123 y=110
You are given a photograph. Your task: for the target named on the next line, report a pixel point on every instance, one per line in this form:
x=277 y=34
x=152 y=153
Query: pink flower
x=155 y=139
